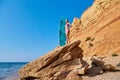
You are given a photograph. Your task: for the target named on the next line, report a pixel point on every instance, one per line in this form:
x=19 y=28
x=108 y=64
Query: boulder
x=55 y=65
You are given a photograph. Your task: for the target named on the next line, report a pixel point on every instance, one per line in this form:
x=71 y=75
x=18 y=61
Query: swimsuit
x=67 y=28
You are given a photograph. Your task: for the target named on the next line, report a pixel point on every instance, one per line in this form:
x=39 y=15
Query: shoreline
x=12 y=77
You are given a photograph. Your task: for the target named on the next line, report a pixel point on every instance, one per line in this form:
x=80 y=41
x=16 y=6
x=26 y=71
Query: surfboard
x=62 y=35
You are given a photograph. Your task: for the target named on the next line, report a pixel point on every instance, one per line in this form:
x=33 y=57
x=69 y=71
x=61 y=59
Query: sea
x=9 y=70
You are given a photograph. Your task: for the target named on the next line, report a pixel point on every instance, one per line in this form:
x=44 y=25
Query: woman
x=67 y=31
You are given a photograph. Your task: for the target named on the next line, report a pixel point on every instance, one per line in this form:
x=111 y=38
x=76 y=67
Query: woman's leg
x=68 y=39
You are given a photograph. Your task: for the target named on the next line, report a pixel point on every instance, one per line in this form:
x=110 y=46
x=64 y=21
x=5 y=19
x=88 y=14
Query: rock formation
x=93 y=52
x=98 y=28
x=56 y=65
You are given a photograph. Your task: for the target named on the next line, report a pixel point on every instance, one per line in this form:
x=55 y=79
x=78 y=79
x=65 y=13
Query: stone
x=73 y=76
x=76 y=22
x=55 y=65
x=93 y=13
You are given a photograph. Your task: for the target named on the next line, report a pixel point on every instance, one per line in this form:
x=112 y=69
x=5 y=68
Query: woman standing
x=67 y=31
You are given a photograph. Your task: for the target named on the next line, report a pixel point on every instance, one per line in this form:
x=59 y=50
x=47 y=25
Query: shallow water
x=9 y=70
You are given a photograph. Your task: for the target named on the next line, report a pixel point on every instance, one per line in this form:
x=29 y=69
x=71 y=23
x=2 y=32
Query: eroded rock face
x=56 y=65
x=99 y=28
x=95 y=11
x=76 y=22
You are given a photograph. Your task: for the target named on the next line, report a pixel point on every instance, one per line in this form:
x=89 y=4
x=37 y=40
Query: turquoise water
x=9 y=70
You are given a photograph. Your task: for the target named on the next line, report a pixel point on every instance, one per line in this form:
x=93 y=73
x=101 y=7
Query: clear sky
x=29 y=28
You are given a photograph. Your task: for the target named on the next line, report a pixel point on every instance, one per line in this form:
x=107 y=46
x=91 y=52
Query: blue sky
x=29 y=28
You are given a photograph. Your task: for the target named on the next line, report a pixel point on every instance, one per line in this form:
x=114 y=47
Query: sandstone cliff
x=55 y=65
x=99 y=28
x=93 y=52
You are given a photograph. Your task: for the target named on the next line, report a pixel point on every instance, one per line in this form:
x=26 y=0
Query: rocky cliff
x=93 y=52
x=98 y=28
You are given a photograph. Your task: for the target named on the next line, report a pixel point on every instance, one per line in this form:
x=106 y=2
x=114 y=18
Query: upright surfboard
x=62 y=35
